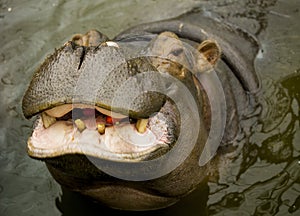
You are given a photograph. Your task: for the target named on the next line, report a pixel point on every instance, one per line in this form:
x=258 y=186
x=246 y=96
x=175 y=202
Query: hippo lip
x=74 y=129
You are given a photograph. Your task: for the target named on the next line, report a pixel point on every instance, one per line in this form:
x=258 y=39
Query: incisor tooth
x=101 y=128
x=47 y=120
x=80 y=124
x=141 y=125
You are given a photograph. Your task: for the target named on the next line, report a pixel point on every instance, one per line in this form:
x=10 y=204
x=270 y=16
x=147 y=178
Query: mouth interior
x=90 y=130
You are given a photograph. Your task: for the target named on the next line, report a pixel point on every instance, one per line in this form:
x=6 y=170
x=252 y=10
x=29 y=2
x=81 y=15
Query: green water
x=260 y=177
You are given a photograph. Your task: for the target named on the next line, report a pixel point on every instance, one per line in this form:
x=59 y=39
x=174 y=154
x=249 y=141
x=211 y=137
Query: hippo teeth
x=101 y=128
x=107 y=118
x=80 y=124
x=47 y=120
x=141 y=125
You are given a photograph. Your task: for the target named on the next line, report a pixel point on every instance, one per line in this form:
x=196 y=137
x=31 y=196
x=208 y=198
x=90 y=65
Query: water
x=260 y=177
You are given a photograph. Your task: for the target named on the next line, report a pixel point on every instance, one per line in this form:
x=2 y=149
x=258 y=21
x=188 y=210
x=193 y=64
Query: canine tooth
x=80 y=124
x=47 y=120
x=101 y=128
x=141 y=125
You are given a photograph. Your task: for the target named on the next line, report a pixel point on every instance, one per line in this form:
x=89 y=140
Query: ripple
x=276 y=104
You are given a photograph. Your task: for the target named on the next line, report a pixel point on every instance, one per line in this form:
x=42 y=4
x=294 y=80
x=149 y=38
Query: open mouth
x=97 y=132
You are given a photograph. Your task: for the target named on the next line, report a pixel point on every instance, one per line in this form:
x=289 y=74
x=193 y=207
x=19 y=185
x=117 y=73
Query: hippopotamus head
x=131 y=122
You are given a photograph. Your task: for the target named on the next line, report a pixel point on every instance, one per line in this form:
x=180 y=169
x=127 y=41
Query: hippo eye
x=177 y=52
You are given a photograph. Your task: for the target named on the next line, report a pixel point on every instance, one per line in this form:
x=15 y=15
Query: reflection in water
x=71 y=203
x=273 y=95
x=252 y=12
x=266 y=194
x=295 y=206
x=275 y=146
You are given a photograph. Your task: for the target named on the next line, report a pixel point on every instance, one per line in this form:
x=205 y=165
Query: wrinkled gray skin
x=237 y=75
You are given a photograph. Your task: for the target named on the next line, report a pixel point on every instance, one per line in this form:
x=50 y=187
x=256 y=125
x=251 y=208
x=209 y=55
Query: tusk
x=101 y=128
x=47 y=120
x=141 y=125
x=80 y=124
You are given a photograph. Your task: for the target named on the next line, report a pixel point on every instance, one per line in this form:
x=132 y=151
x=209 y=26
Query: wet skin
x=52 y=89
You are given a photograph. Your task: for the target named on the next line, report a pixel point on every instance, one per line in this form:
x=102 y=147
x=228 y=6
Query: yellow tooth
x=80 y=124
x=141 y=125
x=101 y=128
x=47 y=120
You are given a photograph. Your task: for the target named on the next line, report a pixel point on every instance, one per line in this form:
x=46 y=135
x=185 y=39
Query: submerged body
x=107 y=110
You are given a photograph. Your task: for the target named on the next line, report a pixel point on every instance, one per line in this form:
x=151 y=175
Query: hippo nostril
x=77 y=39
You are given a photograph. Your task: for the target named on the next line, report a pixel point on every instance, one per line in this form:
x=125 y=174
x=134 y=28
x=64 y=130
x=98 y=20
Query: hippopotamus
x=133 y=121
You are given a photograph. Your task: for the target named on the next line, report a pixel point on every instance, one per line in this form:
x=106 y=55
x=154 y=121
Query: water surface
x=260 y=176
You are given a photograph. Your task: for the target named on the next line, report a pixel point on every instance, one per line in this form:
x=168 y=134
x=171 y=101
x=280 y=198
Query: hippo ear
x=210 y=50
x=91 y=38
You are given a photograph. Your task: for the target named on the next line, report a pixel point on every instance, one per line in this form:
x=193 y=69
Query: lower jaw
x=105 y=189
x=130 y=199
x=38 y=148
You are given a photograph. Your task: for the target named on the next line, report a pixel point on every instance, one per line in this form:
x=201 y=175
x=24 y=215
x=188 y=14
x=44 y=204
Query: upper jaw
x=119 y=142
x=93 y=75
